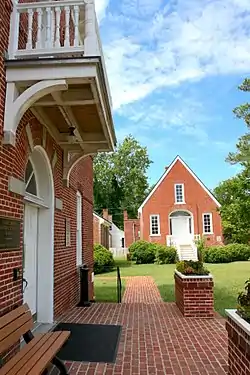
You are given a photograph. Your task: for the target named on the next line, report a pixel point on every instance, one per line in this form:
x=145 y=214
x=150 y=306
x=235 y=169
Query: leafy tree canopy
x=234 y=193
x=234 y=196
x=120 y=179
x=242 y=154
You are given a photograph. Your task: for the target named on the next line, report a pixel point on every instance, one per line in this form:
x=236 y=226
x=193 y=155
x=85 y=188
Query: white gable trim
x=178 y=158
x=102 y=220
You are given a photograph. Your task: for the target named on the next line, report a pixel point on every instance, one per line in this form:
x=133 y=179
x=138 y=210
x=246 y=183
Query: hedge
x=226 y=254
x=143 y=252
x=103 y=259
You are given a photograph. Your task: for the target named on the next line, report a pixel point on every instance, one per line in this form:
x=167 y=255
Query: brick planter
x=194 y=295
x=238 y=344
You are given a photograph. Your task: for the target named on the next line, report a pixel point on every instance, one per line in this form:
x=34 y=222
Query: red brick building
x=131 y=229
x=55 y=114
x=101 y=230
x=179 y=208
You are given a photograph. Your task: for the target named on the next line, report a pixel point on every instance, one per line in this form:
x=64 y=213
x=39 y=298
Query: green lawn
x=229 y=280
x=106 y=290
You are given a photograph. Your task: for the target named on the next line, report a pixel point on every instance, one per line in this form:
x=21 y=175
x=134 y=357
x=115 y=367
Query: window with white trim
x=179 y=193
x=30 y=179
x=154 y=225
x=207 y=223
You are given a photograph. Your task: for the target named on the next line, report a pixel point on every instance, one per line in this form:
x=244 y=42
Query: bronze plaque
x=9 y=233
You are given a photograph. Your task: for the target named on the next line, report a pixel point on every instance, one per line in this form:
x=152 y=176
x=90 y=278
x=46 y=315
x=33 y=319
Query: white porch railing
x=63 y=28
x=171 y=239
x=189 y=241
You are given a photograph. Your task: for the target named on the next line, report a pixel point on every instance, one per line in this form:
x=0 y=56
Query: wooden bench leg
x=60 y=365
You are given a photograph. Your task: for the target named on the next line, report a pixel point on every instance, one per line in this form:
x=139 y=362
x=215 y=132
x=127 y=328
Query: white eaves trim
x=178 y=158
x=102 y=220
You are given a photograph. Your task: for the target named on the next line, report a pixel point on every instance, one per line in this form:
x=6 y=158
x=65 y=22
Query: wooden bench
x=40 y=350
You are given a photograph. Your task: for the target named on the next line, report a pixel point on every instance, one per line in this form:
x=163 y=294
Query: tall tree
x=242 y=154
x=120 y=179
x=234 y=193
x=234 y=196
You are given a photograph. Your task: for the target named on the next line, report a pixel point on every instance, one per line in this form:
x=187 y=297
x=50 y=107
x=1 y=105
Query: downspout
x=133 y=232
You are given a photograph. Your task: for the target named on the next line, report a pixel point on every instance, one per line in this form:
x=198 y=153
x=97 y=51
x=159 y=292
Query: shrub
x=201 y=244
x=226 y=254
x=165 y=254
x=103 y=259
x=243 y=308
x=142 y=252
x=189 y=267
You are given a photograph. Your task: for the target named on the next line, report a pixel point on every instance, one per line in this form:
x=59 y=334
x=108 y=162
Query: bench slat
x=50 y=353
x=38 y=362
x=12 y=332
x=13 y=315
x=16 y=362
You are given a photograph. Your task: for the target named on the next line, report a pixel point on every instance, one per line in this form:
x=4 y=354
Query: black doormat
x=90 y=342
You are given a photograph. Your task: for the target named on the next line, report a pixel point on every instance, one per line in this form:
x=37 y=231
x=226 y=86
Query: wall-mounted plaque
x=9 y=234
x=67 y=232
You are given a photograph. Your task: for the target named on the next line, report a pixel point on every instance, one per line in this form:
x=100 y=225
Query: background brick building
x=101 y=228
x=178 y=207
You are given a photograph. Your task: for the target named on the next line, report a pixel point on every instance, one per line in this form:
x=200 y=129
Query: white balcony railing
x=63 y=28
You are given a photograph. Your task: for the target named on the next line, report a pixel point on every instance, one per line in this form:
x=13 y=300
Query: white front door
x=30 y=256
x=180 y=228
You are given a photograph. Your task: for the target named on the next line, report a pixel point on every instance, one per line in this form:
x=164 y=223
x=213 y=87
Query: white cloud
x=184 y=116
x=151 y=47
x=100 y=7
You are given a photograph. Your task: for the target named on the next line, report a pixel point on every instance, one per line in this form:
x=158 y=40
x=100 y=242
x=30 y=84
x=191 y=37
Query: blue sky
x=174 y=67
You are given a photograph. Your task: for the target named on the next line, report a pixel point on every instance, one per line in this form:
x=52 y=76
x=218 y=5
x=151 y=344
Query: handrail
x=119 y=286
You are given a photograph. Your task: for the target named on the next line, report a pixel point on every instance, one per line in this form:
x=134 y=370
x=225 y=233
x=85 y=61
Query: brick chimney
x=110 y=218
x=105 y=213
x=125 y=215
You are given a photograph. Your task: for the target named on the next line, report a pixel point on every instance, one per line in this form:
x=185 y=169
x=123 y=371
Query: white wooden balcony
x=55 y=67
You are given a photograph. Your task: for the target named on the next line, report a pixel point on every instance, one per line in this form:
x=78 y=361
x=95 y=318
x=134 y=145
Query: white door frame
x=29 y=288
x=45 y=241
x=190 y=216
x=79 y=257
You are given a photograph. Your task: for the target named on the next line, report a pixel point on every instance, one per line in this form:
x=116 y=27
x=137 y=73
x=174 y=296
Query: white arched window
x=30 y=179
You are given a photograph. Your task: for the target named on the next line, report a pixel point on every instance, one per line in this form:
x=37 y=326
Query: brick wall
x=238 y=349
x=13 y=163
x=162 y=202
x=96 y=230
x=194 y=296
x=100 y=232
x=131 y=229
x=66 y=279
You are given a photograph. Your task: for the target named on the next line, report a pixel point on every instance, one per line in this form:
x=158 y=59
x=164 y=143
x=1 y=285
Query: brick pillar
x=238 y=346
x=194 y=295
x=125 y=215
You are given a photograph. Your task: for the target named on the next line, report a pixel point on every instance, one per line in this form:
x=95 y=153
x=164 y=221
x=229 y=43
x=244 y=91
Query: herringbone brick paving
x=155 y=339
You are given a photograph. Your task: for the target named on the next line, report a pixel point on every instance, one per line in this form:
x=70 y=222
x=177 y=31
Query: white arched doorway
x=38 y=254
x=181 y=226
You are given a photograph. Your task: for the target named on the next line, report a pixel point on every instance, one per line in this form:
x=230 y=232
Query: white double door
x=30 y=257
x=181 y=229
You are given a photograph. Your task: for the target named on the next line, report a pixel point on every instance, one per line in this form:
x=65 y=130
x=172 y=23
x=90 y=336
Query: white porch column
x=90 y=41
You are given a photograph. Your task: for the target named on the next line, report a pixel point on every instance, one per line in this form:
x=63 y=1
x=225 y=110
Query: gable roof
x=100 y=217
x=178 y=158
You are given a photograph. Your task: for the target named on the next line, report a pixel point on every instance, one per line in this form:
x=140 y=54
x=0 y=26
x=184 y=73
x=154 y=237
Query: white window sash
x=182 y=193
x=210 y=222
x=158 y=225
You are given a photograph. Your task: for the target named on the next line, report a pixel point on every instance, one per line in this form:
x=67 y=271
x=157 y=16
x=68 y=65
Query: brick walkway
x=155 y=338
